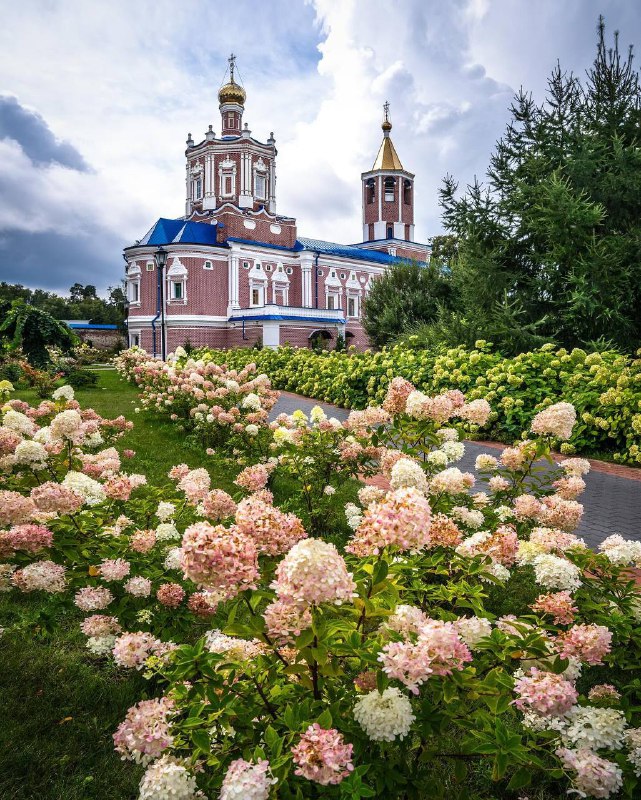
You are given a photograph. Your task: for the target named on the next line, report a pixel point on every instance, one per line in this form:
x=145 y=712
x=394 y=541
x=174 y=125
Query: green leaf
x=522 y=777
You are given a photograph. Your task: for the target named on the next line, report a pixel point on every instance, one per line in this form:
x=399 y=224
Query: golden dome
x=232 y=93
x=386 y=125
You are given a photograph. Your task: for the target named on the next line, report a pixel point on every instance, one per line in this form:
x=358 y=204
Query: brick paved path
x=612 y=498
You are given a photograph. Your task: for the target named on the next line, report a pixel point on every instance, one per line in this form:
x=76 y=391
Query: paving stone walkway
x=612 y=498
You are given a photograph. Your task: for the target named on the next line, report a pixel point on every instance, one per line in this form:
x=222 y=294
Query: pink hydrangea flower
x=223 y=559
x=397 y=393
x=143 y=541
x=322 y=756
x=254 y=477
x=545 y=692
x=218 y=505
x=114 y=569
x=313 y=571
x=138 y=586
x=401 y=520
x=55 y=498
x=28 y=538
x=132 y=650
x=439 y=650
x=14 y=508
x=46 y=576
x=556 y=420
x=93 y=598
x=170 y=595
x=145 y=733
x=272 y=531
x=559 y=605
x=286 y=619
x=100 y=625
x=195 y=484
x=595 y=776
x=588 y=643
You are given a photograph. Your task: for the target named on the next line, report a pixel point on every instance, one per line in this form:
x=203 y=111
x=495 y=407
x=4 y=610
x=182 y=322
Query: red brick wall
x=233 y=221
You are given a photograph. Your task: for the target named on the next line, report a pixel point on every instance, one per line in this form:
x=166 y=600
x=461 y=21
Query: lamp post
x=161 y=260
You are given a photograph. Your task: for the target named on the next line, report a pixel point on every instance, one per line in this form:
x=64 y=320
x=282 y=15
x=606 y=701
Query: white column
x=233 y=283
x=306 y=278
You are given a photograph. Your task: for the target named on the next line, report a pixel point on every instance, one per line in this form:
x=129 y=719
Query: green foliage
x=406 y=294
x=557 y=227
x=82 y=303
x=33 y=330
x=81 y=378
x=604 y=387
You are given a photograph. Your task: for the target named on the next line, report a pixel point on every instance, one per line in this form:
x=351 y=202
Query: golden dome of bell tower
x=231 y=98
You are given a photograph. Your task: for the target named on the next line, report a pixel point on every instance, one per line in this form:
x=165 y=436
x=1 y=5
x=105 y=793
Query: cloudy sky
x=96 y=99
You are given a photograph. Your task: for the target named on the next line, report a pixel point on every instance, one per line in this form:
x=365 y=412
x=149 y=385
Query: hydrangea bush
x=290 y=665
x=605 y=388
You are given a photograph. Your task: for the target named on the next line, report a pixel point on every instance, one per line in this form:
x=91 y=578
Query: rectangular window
x=135 y=292
x=330 y=301
x=227 y=187
x=176 y=290
x=198 y=188
x=134 y=340
x=261 y=184
x=257 y=296
x=351 y=307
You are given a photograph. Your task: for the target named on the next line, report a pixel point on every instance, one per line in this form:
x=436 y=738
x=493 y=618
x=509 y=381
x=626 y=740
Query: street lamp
x=161 y=261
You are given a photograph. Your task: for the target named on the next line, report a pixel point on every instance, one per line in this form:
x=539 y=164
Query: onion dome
x=232 y=93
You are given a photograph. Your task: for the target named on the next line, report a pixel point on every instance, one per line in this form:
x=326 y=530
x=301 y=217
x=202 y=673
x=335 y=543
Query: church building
x=234 y=271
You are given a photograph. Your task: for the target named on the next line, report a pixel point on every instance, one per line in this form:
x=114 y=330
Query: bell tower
x=388 y=193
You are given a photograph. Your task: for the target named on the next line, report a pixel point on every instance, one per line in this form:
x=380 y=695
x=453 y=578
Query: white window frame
x=335 y=298
x=208 y=265
x=260 y=180
x=352 y=298
x=197 y=188
x=134 y=338
x=260 y=294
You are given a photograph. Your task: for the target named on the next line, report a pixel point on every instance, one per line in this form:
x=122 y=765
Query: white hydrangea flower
x=317 y=415
x=473 y=629
x=407 y=473
x=437 y=458
x=173 y=558
x=453 y=450
x=167 y=531
x=18 y=422
x=447 y=434
x=101 y=645
x=384 y=716
x=251 y=402
x=485 y=461
x=354 y=515
x=166 y=779
x=63 y=393
x=594 y=728
x=618 y=550
x=165 y=511
x=92 y=491
x=554 y=572
x=30 y=452
x=470 y=517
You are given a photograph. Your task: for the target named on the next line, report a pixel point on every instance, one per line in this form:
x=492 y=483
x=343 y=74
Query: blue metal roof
x=196 y=233
x=174 y=231
x=346 y=250
x=91 y=326
x=281 y=317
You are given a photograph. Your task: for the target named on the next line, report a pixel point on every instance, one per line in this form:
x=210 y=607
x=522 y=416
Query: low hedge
x=605 y=388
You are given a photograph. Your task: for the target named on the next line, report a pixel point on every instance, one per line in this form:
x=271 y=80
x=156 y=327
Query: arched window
x=390 y=232
x=407 y=191
x=389 y=190
x=370 y=190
